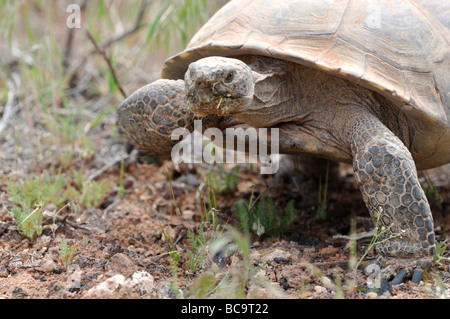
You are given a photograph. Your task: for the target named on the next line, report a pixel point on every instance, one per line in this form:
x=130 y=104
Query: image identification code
x=244 y=308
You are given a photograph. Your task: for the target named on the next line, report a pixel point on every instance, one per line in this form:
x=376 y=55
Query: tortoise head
x=218 y=85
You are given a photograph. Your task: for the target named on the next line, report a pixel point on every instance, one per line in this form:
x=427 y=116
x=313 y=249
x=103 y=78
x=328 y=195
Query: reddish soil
x=123 y=254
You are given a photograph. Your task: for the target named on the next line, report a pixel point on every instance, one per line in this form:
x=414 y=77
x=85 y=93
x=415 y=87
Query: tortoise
x=361 y=82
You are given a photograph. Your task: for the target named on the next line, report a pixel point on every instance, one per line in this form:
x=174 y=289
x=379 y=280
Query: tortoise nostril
x=201 y=84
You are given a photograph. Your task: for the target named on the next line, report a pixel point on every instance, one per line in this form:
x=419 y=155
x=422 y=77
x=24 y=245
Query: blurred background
x=60 y=86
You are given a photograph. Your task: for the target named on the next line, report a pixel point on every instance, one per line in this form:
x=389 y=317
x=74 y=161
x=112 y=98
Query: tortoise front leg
x=150 y=115
x=387 y=177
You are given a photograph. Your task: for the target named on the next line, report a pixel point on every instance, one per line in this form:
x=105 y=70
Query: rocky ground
x=122 y=248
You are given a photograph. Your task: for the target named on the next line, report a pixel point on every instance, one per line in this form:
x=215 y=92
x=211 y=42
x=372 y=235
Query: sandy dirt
x=122 y=252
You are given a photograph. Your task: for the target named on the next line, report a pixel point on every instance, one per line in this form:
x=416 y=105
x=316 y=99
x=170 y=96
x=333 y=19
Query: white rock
x=277 y=253
x=108 y=287
x=371 y=295
x=188 y=214
x=319 y=289
x=141 y=282
x=46 y=264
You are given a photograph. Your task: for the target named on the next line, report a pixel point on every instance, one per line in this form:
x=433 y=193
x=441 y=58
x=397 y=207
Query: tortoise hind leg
x=387 y=177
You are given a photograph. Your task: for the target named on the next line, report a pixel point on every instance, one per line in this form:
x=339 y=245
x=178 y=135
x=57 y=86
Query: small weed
x=379 y=231
x=223 y=181
x=29 y=223
x=209 y=214
x=174 y=286
x=177 y=210
x=322 y=195
x=232 y=282
x=210 y=199
x=66 y=253
x=88 y=193
x=173 y=253
x=195 y=249
x=196 y=243
x=441 y=288
x=438 y=258
x=208 y=234
x=85 y=240
x=30 y=195
x=430 y=189
x=209 y=211
x=204 y=285
x=34 y=190
x=56 y=190
x=121 y=189
x=263 y=216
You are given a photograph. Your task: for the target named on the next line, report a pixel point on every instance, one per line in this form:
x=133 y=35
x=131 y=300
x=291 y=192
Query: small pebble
x=187 y=214
x=371 y=295
x=320 y=289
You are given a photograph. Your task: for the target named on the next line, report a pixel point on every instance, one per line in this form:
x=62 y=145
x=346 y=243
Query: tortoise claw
x=401 y=276
x=385 y=284
x=417 y=275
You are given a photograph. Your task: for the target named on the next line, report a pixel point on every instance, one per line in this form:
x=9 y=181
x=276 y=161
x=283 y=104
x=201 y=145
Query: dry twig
x=108 y=61
x=106 y=44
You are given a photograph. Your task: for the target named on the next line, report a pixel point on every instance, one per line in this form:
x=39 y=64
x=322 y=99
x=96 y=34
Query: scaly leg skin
x=387 y=177
x=148 y=116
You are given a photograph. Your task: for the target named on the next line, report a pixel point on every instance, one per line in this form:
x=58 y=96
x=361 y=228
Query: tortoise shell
x=399 y=48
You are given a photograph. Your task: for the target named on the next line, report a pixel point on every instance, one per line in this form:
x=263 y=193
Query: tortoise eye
x=229 y=77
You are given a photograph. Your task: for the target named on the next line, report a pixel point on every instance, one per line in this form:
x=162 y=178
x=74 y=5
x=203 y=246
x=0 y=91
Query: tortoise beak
x=222 y=89
x=203 y=95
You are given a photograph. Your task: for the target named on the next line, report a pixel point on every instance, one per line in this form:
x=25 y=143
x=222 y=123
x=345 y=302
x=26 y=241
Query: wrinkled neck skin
x=323 y=106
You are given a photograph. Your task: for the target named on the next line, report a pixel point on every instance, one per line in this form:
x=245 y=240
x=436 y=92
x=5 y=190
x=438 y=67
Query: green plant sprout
x=430 y=189
x=173 y=253
x=232 y=282
x=438 y=258
x=194 y=248
x=210 y=199
x=208 y=234
x=322 y=195
x=66 y=253
x=29 y=224
x=177 y=210
x=263 y=216
x=209 y=214
x=121 y=188
x=223 y=181
x=208 y=231
x=57 y=189
x=30 y=195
